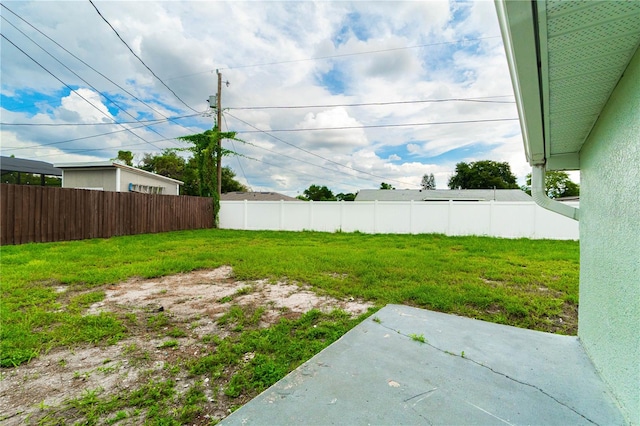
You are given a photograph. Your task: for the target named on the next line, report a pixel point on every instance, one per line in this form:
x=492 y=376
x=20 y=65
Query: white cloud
x=84 y=106
x=263 y=50
x=337 y=140
x=413 y=148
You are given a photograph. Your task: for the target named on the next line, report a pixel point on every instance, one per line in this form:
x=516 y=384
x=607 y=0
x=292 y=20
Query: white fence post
x=281 y=224
x=375 y=216
x=449 y=213
x=490 y=217
x=245 y=214
x=411 y=213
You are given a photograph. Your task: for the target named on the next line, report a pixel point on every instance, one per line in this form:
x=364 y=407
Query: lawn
x=46 y=290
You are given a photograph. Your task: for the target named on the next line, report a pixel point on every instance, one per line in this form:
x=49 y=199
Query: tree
x=346 y=197
x=428 y=182
x=385 y=185
x=229 y=184
x=485 y=174
x=207 y=150
x=168 y=164
x=125 y=157
x=172 y=165
x=319 y=193
x=557 y=184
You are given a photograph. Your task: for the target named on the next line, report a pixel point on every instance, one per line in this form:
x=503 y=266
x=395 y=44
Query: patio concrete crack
x=420 y=394
x=466 y=358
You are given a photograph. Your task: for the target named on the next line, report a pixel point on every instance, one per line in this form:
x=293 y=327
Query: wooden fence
x=43 y=214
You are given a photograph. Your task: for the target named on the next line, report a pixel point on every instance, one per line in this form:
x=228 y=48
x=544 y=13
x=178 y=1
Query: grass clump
x=176 y=332
x=418 y=338
x=169 y=344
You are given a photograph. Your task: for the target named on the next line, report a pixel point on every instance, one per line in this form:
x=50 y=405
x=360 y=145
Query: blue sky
x=392 y=72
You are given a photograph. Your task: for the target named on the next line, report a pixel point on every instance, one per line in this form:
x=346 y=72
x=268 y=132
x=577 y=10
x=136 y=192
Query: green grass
x=45 y=290
x=276 y=351
x=520 y=282
x=418 y=338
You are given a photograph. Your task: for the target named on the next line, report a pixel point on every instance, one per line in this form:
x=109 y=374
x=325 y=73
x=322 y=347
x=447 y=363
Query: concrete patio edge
x=405 y=365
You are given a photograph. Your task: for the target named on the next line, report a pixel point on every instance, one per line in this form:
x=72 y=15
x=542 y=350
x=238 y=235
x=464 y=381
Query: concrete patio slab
x=466 y=372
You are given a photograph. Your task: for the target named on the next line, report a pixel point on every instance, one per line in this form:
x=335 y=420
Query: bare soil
x=192 y=301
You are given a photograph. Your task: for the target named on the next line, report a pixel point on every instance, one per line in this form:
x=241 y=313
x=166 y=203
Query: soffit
x=585 y=46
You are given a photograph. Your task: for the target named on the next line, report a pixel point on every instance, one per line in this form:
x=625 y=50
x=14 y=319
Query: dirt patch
x=190 y=303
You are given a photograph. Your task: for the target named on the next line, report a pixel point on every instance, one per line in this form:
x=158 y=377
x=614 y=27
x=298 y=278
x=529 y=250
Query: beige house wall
x=128 y=176
x=116 y=179
x=103 y=179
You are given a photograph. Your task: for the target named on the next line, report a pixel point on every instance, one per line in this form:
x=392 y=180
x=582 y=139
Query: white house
x=575 y=68
x=111 y=176
x=255 y=196
x=442 y=195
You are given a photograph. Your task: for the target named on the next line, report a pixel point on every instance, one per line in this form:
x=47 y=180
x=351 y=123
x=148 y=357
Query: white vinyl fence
x=490 y=218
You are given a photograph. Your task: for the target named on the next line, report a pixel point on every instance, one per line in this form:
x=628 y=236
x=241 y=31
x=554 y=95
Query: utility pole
x=219 y=125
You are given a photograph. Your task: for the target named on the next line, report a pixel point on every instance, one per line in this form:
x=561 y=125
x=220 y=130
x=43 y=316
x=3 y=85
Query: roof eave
x=517 y=24
x=111 y=164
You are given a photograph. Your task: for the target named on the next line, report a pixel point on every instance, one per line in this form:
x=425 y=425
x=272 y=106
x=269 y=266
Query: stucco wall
x=127 y=176
x=95 y=178
x=609 y=317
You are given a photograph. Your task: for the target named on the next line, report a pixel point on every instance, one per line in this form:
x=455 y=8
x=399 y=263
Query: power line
x=297 y=171
x=324 y=178
x=92 y=68
x=342 y=55
x=300 y=160
x=78 y=151
x=419 y=46
x=137 y=57
x=155 y=121
x=485 y=99
x=234 y=148
x=70 y=140
x=72 y=89
x=82 y=79
x=378 y=126
x=310 y=152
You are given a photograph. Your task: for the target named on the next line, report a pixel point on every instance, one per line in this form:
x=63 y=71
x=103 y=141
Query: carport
x=19 y=165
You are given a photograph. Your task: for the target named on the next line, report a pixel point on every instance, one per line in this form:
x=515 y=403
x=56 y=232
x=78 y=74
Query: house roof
x=565 y=57
x=110 y=164
x=11 y=164
x=442 y=195
x=255 y=196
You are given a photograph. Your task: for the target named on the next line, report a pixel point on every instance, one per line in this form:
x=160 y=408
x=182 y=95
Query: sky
x=342 y=94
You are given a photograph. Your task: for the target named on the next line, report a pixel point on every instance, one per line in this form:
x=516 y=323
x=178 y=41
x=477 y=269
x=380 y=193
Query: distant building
x=255 y=196
x=442 y=195
x=19 y=165
x=110 y=176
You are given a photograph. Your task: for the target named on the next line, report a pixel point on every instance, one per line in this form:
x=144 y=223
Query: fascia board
x=570 y=161
x=146 y=173
x=519 y=37
x=543 y=59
